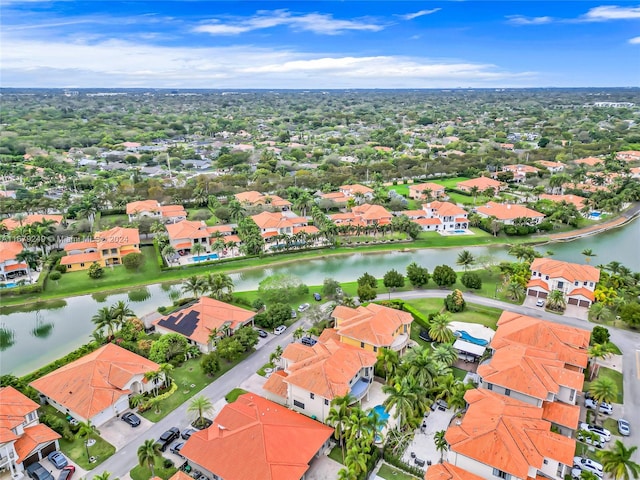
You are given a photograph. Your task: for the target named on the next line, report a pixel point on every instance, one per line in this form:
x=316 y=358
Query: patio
x=423 y=446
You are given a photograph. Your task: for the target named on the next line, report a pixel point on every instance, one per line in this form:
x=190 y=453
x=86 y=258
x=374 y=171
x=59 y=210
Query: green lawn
x=450 y=182
x=458 y=373
x=486 y=316
x=611 y=424
x=455 y=197
x=615 y=376
x=233 y=395
x=391 y=473
x=261 y=371
x=144 y=473
x=336 y=454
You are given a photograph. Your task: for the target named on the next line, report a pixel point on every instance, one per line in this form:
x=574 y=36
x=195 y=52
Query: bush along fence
x=37 y=287
x=146 y=405
x=398 y=463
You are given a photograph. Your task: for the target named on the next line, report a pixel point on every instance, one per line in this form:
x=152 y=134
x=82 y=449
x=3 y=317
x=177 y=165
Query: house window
x=82 y=264
x=298 y=404
x=326 y=401
x=560 y=284
x=585 y=283
x=507 y=392
x=576 y=283
x=31 y=416
x=375 y=349
x=312 y=396
x=591 y=284
x=361 y=344
x=489 y=386
x=546 y=277
x=545 y=461
x=501 y=474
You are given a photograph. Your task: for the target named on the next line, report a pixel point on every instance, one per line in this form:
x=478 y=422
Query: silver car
x=624 y=427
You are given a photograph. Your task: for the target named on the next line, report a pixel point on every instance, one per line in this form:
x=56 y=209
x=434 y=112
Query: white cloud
x=634 y=41
x=522 y=20
x=421 y=13
x=118 y=63
x=611 y=12
x=320 y=23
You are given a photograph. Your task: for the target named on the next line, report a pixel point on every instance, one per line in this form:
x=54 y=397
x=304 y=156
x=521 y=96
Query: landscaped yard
x=233 y=395
x=144 y=473
x=391 y=473
x=261 y=370
x=486 y=316
x=336 y=454
x=615 y=376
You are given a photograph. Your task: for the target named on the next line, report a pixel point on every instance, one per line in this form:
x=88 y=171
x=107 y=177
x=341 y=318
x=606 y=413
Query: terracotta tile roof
x=251 y=196
x=414 y=213
x=329 y=334
x=220 y=228
x=277 y=201
x=305 y=229
x=183 y=246
x=538 y=282
x=446 y=471
x=197 y=321
x=591 y=161
x=142 y=206
x=561 y=414
x=80 y=246
x=180 y=475
x=481 y=182
x=187 y=229
x=296 y=352
x=548 y=164
x=508 y=211
x=272 y=220
x=373 y=324
x=428 y=221
x=117 y=237
x=32 y=437
x=12 y=224
x=16 y=266
x=569 y=271
x=507 y=434
x=94 y=382
x=80 y=258
x=252 y=439
x=276 y=384
x=356 y=188
x=520 y=168
x=569 y=343
x=9 y=250
x=535 y=373
x=444 y=209
x=231 y=238
x=584 y=292
x=576 y=200
x=15 y=407
x=173 y=211
x=338 y=197
x=371 y=212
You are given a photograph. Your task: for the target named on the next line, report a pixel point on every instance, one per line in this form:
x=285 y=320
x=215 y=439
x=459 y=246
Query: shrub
x=167 y=463
x=599 y=335
x=257 y=304
x=61 y=268
x=454 y=302
x=210 y=363
x=55 y=275
x=444 y=276
x=96 y=271
x=471 y=280
x=133 y=261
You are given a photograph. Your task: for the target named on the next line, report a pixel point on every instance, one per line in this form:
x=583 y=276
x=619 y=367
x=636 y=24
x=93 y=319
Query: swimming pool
x=595 y=214
x=382 y=414
x=10 y=285
x=468 y=338
x=201 y=258
x=459 y=231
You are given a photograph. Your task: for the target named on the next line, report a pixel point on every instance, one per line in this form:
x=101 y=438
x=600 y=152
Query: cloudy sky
x=319 y=44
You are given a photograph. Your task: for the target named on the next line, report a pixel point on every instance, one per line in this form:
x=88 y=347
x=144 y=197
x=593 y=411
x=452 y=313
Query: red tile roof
x=508 y=211
x=9 y=250
x=187 y=229
x=16 y=266
x=255 y=439
x=12 y=224
x=576 y=200
x=374 y=324
x=32 y=437
x=444 y=209
x=561 y=414
x=80 y=258
x=569 y=271
x=15 y=407
x=142 y=206
x=481 y=182
x=446 y=471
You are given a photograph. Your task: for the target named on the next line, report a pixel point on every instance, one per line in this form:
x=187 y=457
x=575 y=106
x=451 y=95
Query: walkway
x=593 y=229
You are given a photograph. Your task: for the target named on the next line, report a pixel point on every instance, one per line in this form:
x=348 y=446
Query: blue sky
x=320 y=44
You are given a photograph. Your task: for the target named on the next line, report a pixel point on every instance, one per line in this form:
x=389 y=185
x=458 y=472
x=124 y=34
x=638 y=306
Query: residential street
x=629 y=342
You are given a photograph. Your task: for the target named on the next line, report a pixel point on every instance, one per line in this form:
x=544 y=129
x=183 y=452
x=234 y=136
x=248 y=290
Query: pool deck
x=473 y=329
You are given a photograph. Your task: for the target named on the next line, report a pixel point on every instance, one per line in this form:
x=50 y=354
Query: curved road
x=629 y=343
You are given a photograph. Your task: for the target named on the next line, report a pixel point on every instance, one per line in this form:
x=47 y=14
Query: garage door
x=31 y=459
x=543 y=294
x=573 y=301
x=583 y=303
x=532 y=293
x=48 y=449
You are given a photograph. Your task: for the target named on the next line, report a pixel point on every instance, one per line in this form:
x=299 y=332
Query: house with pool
x=472 y=340
x=153 y=209
x=441 y=217
x=10 y=268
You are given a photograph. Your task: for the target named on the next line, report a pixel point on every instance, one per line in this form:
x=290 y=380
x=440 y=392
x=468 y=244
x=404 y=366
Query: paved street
x=629 y=342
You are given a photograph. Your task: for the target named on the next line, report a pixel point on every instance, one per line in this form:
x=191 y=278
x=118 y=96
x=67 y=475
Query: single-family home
x=314 y=376
x=447 y=471
x=23 y=439
x=634 y=172
x=439 y=217
x=575 y=200
x=421 y=191
x=108 y=248
x=576 y=281
x=272 y=224
x=10 y=267
x=339 y=198
x=482 y=183
x=629 y=156
x=502 y=437
x=553 y=167
x=373 y=327
x=357 y=191
x=520 y=172
x=185 y=234
x=97 y=387
x=153 y=209
x=508 y=213
x=588 y=161
x=254 y=199
x=13 y=223
x=256 y=439
x=203 y=319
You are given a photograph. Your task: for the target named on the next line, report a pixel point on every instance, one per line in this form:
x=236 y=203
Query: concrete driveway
x=119 y=433
x=323 y=468
x=423 y=445
x=577 y=312
x=48 y=466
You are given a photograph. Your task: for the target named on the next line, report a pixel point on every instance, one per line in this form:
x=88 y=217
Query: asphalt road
x=629 y=343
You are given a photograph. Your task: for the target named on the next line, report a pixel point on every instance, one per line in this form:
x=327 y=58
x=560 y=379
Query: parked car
x=603 y=432
x=576 y=473
x=187 y=433
x=540 y=303
x=131 y=418
x=589 y=465
x=294 y=314
x=624 y=427
x=38 y=472
x=280 y=329
x=67 y=472
x=308 y=341
x=604 y=407
x=303 y=307
x=167 y=437
x=58 y=460
x=176 y=448
x=597 y=441
x=262 y=334
x=317 y=297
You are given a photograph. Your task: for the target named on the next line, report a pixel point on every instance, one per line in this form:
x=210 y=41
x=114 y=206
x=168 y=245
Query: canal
x=42 y=332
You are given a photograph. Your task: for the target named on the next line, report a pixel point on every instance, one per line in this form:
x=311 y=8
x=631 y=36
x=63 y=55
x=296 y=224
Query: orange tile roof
x=252 y=439
x=251 y=196
x=277 y=201
x=94 y=382
x=276 y=384
x=548 y=164
x=12 y=224
x=569 y=343
x=446 y=471
x=444 y=209
x=80 y=258
x=272 y=220
x=373 y=324
x=306 y=229
x=428 y=221
x=173 y=211
x=481 y=182
x=561 y=414
x=187 y=229
x=32 y=437
x=508 y=211
x=338 y=197
x=591 y=161
x=371 y=212
x=569 y=271
x=80 y=246
x=9 y=250
x=356 y=188
x=179 y=475
x=16 y=266
x=421 y=187
x=197 y=321
x=142 y=206
x=231 y=238
x=507 y=434
x=220 y=228
x=296 y=352
x=576 y=200
x=117 y=237
x=584 y=292
x=538 y=282
x=520 y=168
x=329 y=334
x=15 y=407
x=183 y=246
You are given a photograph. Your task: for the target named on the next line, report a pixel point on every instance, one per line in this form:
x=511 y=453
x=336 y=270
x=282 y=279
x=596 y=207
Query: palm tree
x=445 y=354
x=474 y=191
x=148 y=453
x=219 y=285
x=439 y=328
x=456 y=395
x=168 y=251
x=104 y=476
x=402 y=398
x=103 y=319
x=30 y=258
x=154 y=378
x=197 y=249
x=613 y=267
x=276 y=354
x=304 y=202
x=338 y=417
x=388 y=360
x=201 y=406
x=236 y=210
x=419 y=365
x=599 y=312
x=515 y=290
x=603 y=389
x=298 y=333
x=556 y=300
x=588 y=254
x=194 y=285
x=465 y=259
x=121 y=312
x=87 y=429
x=441 y=444
x=617 y=461
x=166 y=369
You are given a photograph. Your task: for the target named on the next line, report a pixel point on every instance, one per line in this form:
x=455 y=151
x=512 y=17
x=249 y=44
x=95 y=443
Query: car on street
x=308 y=341
x=176 y=448
x=303 y=307
x=603 y=432
x=576 y=473
x=597 y=441
x=605 y=408
x=589 y=465
x=58 y=460
x=624 y=427
x=262 y=334
x=317 y=297
x=278 y=330
x=167 y=437
x=38 y=472
x=540 y=303
x=294 y=314
x=67 y=472
x=187 y=433
x=131 y=418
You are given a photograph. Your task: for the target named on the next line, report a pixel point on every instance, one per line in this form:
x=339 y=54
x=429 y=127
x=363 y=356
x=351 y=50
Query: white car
x=588 y=465
x=540 y=303
x=303 y=307
x=605 y=408
x=603 y=432
x=280 y=329
x=624 y=427
x=598 y=441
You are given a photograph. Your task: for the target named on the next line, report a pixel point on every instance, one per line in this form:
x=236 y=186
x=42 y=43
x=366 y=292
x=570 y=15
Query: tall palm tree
x=201 y=406
x=556 y=300
x=402 y=398
x=441 y=444
x=194 y=285
x=445 y=354
x=599 y=312
x=474 y=191
x=388 y=360
x=603 y=389
x=276 y=354
x=29 y=257
x=304 y=202
x=154 y=378
x=166 y=369
x=168 y=251
x=588 y=254
x=465 y=259
x=298 y=333
x=121 y=312
x=419 y=365
x=148 y=453
x=617 y=461
x=103 y=319
x=220 y=285
x=197 y=249
x=88 y=430
x=439 y=328
x=338 y=417
x=236 y=210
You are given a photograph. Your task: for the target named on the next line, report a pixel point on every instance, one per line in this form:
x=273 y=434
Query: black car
x=308 y=341
x=262 y=334
x=131 y=418
x=187 y=433
x=38 y=472
x=176 y=448
x=167 y=437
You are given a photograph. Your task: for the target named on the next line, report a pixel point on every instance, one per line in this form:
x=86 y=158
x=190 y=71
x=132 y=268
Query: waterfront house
x=508 y=213
x=255 y=199
x=10 y=267
x=107 y=249
x=482 y=183
x=576 y=281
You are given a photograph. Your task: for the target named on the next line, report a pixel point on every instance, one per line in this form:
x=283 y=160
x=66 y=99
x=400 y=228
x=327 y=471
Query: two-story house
x=273 y=224
x=577 y=282
x=373 y=327
x=23 y=439
x=363 y=215
x=185 y=234
x=439 y=217
x=97 y=387
x=256 y=199
x=553 y=167
x=483 y=184
x=357 y=192
x=422 y=191
x=13 y=223
x=313 y=376
x=11 y=268
x=575 y=200
x=153 y=209
x=509 y=213
x=107 y=248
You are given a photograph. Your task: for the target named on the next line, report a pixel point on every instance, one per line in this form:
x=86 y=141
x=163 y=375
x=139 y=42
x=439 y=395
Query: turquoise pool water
x=384 y=416
x=468 y=338
x=202 y=258
x=595 y=214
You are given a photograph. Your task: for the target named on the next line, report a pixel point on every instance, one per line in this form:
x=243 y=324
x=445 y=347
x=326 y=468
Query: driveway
x=48 y=466
x=119 y=433
x=576 y=312
x=323 y=468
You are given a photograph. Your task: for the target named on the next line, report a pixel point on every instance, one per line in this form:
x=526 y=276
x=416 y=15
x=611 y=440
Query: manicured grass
x=487 y=316
x=614 y=348
x=144 y=473
x=615 y=376
x=233 y=395
x=583 y=450
x=261 y=371
x=449 y=182
x=77 y=451
x=611 y=425
x=336 y=454
x=390 y=473
x=458 y=373
x=455 y=197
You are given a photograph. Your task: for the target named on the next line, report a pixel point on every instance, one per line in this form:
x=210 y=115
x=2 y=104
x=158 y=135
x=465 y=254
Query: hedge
x=418 y=316
x=398 y=463
x=152 y=401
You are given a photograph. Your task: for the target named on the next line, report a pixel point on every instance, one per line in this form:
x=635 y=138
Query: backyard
x=144 y=473
x=613 y=375
x=391 y=473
